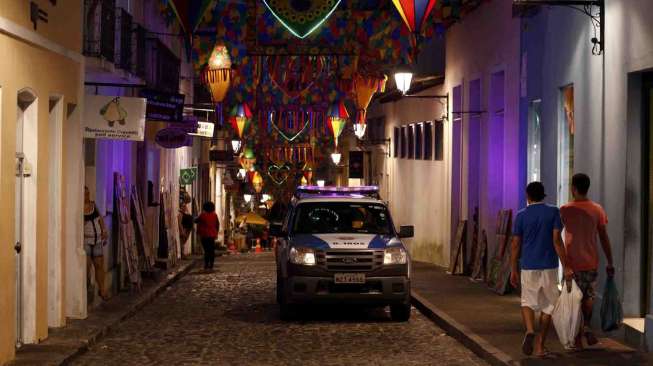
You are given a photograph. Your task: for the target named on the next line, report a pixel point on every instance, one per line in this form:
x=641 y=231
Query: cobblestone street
x=230 y=317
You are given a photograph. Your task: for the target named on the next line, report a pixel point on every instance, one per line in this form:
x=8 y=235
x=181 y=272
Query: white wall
x=55 y=252
x=486 y=43
x=418 y=190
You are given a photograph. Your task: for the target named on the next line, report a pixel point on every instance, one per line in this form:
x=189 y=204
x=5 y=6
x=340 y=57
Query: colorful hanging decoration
x=217 y=76
x=295 y=75
x=414 y=12
x=247 y=159
x=240 y=118
x=364 y=88
x=279 y=173
x=337 y=119
x=190 y=14
x=257 y=182
x=301 y=17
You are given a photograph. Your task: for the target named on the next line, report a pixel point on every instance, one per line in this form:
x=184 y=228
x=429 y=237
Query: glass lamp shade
x=335 y=157
x=320 y=183
x=247 y=197
x=359 y=130
x=403 y=80
x=235 y=145
x=241 y=173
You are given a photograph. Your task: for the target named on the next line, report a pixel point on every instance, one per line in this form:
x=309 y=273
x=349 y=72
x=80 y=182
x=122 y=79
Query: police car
x=339 y=245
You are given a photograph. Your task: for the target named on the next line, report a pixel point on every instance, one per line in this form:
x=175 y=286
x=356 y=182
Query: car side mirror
x=276 y=230
x=406 y=231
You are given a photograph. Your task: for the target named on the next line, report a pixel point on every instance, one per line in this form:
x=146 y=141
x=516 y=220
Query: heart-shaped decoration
x=301 y=17
x=295 y=75
x=279 y=174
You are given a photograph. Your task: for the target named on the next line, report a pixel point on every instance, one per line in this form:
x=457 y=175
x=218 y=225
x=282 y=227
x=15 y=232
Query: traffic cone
x=258 y=246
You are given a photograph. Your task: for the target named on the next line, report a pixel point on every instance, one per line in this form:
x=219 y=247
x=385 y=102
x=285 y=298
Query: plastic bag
x=611 y=312
x=567 y=315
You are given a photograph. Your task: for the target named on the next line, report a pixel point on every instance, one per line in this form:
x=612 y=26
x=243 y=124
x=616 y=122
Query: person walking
x=95 y=237
x=208 y=226
x=536 y=247
x=584 y=220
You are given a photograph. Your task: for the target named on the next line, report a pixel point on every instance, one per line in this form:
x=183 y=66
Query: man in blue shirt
x=536 y=247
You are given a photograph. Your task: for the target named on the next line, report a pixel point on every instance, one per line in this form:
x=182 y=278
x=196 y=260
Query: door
x=647 y=219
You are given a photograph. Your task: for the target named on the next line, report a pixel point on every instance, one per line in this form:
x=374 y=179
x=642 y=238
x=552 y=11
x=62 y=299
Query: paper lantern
x=257 y=182
x=414 y=12
x=363 y=90
x=337 y=119
x=217 y=76
x=240 y=118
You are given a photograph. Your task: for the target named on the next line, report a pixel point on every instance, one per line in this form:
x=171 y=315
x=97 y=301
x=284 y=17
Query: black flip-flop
x=527 y=344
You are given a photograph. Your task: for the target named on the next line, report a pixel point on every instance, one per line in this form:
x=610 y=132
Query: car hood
x=344 y=241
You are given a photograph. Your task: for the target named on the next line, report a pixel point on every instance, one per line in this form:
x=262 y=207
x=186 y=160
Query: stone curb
x=144 y=300
x=461 y=333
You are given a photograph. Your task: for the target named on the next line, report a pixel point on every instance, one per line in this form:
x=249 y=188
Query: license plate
x=349 y=278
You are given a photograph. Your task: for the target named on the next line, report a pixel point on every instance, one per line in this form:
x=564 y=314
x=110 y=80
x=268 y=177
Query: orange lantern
x=217 y=76
x=257 y=182
x=363 y=89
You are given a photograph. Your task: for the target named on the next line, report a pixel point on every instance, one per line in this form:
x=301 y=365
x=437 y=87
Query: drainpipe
x=19 y=257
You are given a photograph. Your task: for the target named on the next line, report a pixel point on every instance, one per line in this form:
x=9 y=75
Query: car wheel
x=287 y=311
x=400 y=313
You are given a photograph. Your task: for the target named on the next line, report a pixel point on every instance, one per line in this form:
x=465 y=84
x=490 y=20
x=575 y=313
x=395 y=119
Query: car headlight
x=395 y=255
x=303 y=256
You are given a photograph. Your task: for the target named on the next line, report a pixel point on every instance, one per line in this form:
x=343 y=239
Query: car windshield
x=342 y=217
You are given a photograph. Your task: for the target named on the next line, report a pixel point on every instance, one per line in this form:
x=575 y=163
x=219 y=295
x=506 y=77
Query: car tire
x=400 y=313
x=287 y=311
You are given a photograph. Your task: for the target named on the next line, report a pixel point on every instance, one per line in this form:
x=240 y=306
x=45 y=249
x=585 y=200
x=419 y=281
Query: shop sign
x=172 y=138
x=189 y=124
x=162 y=106
x=187 y=176
x=114 y=118
x=204 y=129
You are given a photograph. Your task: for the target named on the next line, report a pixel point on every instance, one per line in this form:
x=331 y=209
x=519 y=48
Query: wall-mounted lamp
x=403 y=78
x=320 y=183
x=235 y=145
x=335 y=157
x=247 y=197
x=359 y=130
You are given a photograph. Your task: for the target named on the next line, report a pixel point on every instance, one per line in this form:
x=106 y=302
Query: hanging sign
x=187 y=176
x=189 y=124
x=114 y=118
x=161 y=106
x=204 y=129
x=172 y=138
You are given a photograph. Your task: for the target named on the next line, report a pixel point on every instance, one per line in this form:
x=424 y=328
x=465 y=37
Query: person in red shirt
x=208 y=226
x=584 y=220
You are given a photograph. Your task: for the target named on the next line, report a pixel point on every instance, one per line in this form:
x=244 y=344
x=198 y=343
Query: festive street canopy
x=414 y=12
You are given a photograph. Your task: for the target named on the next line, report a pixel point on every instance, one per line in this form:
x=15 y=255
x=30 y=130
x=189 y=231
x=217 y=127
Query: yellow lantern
x=218 y=74
x=257 y=182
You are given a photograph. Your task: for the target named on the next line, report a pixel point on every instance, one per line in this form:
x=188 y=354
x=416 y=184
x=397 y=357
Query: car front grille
x=346 y=260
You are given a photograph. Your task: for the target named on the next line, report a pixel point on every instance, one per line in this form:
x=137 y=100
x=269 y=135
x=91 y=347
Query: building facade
x=41 y=86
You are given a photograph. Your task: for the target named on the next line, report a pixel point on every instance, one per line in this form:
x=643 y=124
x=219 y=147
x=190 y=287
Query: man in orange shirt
x=584 y=220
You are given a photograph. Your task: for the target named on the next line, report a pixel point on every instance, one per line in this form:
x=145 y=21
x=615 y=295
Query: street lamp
x=247 y=197
x=359 y=130
x=235 y=145
x=403 y=78
x=320 y=183
x=335 y=157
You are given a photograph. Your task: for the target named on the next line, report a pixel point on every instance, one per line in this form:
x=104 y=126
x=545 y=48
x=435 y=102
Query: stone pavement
x=491 y=325
x=64 y=344
x=230 y=317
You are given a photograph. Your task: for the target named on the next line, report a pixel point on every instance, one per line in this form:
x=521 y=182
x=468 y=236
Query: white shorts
x=539 y=289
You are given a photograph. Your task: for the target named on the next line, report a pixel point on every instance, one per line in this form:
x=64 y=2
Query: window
x=418 y=141
x=428 y=140
x=342 y=217
x=411 y=141
x=438 y=137
x=403 y=141
x=396 y=142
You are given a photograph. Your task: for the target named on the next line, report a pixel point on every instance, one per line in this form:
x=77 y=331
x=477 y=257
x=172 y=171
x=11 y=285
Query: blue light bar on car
x=369 y=191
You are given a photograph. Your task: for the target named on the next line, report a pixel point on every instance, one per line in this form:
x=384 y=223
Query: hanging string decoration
x=295 y=75
x=337 y=119
x=240 y=118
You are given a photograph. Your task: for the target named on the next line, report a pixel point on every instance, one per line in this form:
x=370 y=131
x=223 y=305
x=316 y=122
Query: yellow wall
x=25 y=65
x=64 y=24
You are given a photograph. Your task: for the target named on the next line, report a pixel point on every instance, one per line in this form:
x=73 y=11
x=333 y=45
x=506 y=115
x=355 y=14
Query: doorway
x=25 y=216
x=55 y=249
x=566 y=129
x=646 y=306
